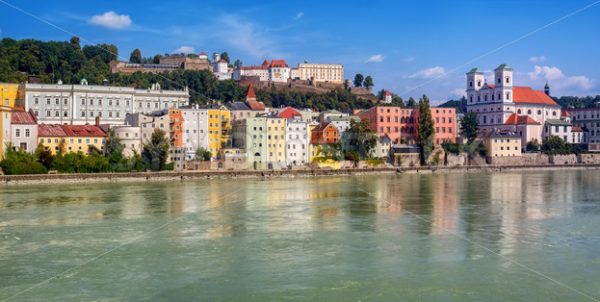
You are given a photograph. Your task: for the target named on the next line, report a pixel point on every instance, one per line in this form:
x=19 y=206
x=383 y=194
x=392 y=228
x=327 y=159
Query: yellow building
x=503 y=144
x=313 y=149
x=75 y=137
x=219 y=129
x=9 y=93
x=276 y=141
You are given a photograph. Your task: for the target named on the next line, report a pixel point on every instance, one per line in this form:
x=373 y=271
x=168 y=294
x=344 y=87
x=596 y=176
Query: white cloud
x=429 y=73
x=184 y=49
x=111 y=20
x=298 y=15
x=409 y=59
x=375 y=58
x=459 y=92
x=539 y=59
x=245 y=36
x=558 y=79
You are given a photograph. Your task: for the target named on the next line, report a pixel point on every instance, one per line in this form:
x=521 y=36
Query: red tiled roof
x=288 y=113
x=46 y=130
x=265 y=63
x=278 y=63
x=515 y=119
x=202 y=53
x=250 y=93
x=527 y=95
x=222 y=61
x=387 y=93
x=564 y=113
x=20 y=117
x=255 y=105
x=576 y=129
x=253 y=67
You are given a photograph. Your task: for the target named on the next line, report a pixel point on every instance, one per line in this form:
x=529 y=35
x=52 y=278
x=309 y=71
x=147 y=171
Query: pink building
x=401 y=124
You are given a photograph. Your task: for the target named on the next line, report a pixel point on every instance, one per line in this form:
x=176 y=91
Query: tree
x=533 y=145
x=411 y=103
x=21 y=162
x=44 y=156
x=156 y=59
x=113 y=149
x=358 y=80
x=156 y=150
x=555 y=145
x=237 y=63
x=75 y=42
x=203 y=154
x=425 y=129
x=469 y=126
x=368 y=83
x=225 y=56
x=136 y=56
x=361 y=137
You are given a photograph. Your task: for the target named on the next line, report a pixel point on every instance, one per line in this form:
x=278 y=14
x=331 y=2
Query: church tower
x=503 y=79
x=475 y=81
x=547 y=89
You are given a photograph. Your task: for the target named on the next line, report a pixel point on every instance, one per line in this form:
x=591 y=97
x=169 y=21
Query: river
x=511 y=236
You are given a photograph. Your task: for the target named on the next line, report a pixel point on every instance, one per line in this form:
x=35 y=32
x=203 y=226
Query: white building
x=81 y=104
x=333 y=73
x=495 y=103
x=220 y=67
x=23 y=130
x=195 y=130
x=130 y=137
x=297 y=142
x=275 y=71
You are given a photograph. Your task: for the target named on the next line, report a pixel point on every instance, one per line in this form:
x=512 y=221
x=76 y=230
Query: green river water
x=513 y=236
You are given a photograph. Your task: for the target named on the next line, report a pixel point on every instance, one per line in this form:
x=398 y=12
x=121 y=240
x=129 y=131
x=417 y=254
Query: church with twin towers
x=501 y=106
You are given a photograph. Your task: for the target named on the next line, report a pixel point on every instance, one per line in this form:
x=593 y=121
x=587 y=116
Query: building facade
x=74 y=138
x=81 y=104
x=332 y=73
x=297 y=141
x=9 y=93
x=495 y=103
x=401 y=124
x=195 y=130
x=503 y=144
x=23 y=130
x=130 y=137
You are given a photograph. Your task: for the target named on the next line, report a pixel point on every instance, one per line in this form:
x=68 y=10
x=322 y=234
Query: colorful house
x=9 y=93
x=219 y=129
x=276 y=142
x=74 y=137
x=326 y=133
x=23 y=130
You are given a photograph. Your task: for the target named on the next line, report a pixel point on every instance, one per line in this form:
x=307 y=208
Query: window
x=36 y=101
x=18 y=132
x=27 y=132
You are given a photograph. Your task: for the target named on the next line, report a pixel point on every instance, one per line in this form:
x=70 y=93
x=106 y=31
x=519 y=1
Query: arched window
x=539 y=112
x=529 y=111
x=519 y=111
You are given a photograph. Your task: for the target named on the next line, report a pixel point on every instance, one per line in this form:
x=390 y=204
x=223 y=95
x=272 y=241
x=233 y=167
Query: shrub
x=21 y=162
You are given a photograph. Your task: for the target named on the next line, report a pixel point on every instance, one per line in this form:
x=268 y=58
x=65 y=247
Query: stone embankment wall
x=527 y=159
x=569 y=159
x=589 y=159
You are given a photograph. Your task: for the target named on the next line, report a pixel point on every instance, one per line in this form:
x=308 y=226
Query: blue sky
x=409 y=47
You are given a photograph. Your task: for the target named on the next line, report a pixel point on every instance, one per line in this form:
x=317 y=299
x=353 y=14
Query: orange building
x=325 y=134
x=176 y=127
x=401 y=124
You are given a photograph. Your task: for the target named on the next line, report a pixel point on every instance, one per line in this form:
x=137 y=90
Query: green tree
x=555 y=145
x=533 y=145
x=368 y=83
x=237 y=63
x=358 y=80
x=156 y=59
x=225 y=56
x=469 y=126
x=203 y=154
x=44 y=156
x=136 y=56
x=361 y=137
x=425 y=128
x=75 y=42
x=113 y=149
x=411 y=103
x=21 y=162
x=156 y=150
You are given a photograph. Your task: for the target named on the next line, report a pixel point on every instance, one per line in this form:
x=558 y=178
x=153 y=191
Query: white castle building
x=502 y=106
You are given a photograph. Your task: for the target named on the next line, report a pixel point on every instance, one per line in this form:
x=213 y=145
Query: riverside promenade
x=227 y=174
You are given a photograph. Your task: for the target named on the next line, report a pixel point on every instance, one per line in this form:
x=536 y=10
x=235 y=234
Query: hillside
x=48 y=62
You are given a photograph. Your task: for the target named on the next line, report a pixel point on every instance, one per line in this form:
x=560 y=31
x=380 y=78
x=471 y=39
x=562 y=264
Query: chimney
x=97 y=121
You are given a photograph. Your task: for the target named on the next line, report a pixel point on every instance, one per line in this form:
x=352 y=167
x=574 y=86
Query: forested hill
x=68 y=61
